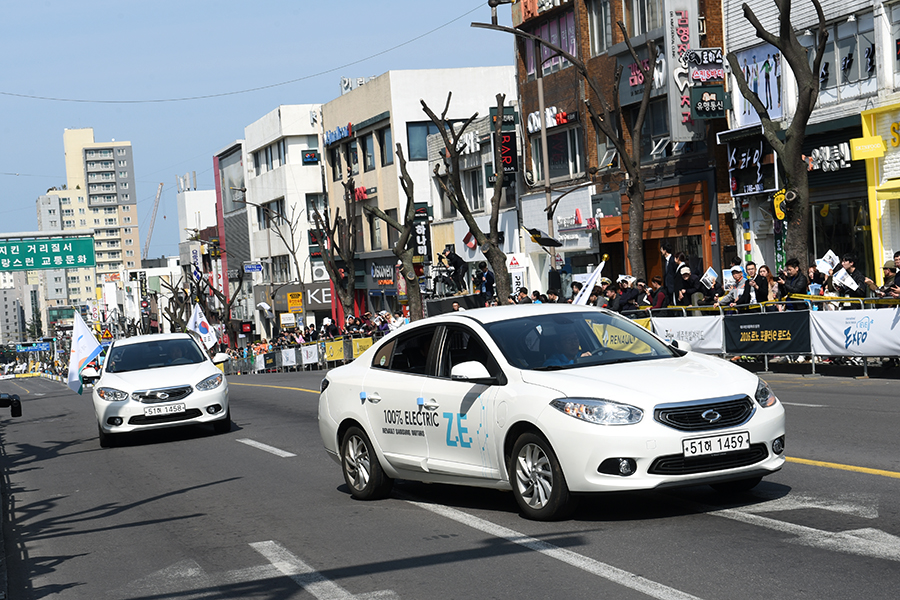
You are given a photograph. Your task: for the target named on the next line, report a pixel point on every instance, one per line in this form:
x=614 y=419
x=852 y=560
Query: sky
x=181 y=80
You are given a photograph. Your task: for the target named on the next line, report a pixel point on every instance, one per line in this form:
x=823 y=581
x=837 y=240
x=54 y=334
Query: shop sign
x=634 y=90
x=288 y=319
x=552 y=117
x=510 y=118
x=383 y=274
x=751 y=167
x=704 y=64
x=709 y=102
x=57 y=253
x=573 y=223
x=761 y=67
x=338 y=133
x=509 y=152
x=869 y=147
x=295 y=302
x=681 y=31
x=829 y=158
x=311 y=157
x=422 y=235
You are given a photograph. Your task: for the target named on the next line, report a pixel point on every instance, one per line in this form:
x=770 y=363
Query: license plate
x=155 y=411
x=716 y=444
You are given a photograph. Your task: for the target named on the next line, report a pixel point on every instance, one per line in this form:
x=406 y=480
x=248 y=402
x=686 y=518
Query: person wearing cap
x=731 y=298
x=890 y=271
x=688 y=286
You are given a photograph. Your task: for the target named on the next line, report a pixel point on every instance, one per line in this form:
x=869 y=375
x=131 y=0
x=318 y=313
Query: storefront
x=381 y=284
x=879 y=146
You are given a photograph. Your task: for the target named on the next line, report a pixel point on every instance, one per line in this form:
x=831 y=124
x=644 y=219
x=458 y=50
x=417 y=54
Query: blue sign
x=37 y=347
x=253 y=267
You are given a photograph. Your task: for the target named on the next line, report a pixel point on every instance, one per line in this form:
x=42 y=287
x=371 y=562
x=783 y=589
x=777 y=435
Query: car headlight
x=111 y=394
x=210 y=383
x=764 y=395
x=601 y=412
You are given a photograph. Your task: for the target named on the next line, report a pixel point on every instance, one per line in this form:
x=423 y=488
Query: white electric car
x=549 y=401
x=156 y=381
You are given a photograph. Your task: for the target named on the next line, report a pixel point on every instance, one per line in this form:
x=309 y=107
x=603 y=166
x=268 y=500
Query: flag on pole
x=85 y=348
x=585 y=293
x=199 y=324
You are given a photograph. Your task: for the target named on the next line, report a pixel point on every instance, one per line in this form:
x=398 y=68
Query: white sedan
x=550 y=401
x=155 y=381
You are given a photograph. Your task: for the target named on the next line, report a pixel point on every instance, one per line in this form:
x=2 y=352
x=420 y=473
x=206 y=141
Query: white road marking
x=852 y=506
x=305 y=576
x=594 y=567
x=267 y=448
x=806 y=405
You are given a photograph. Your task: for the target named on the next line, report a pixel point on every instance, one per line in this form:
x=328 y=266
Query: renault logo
x=163 y=396
x=711 y=416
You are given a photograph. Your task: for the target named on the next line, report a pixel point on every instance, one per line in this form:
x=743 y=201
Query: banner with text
x=310 y=354
x=704 y=334
x=768 y=333
x=872 y=332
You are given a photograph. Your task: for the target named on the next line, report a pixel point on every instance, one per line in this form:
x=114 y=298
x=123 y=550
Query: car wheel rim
x=357 y=462
x=534 y=476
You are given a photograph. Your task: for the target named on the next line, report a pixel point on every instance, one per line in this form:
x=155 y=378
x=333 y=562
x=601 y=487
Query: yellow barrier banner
x=645 y=323
x=361 y=345
x=334 y=350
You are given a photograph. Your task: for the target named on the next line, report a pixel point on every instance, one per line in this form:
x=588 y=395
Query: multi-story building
x=677 y=149
x=12 y=307
x=363 y=128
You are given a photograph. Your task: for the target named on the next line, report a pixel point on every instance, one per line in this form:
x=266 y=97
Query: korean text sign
x=57 y=253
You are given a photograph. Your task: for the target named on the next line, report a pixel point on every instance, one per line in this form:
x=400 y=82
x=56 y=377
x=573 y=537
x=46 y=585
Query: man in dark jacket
x=756 y=290
x=848 y=262
x=669 y=269
x=792 y=281
x=459 y=268
x=689 y=285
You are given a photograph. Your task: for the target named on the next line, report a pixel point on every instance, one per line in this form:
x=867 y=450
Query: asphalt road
x=184 y=514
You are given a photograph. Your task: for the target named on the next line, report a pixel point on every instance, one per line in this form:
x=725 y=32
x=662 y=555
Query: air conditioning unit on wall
x=319 y=272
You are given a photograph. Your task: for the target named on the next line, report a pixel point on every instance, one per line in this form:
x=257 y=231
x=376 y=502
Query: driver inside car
x=568 y=349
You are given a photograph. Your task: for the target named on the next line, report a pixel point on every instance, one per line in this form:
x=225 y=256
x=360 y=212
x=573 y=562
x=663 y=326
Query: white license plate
x=155 y=411
x=716 y=444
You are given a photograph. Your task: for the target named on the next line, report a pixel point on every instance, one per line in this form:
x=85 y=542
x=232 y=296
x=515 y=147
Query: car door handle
x=373 y=398
x=428 y=404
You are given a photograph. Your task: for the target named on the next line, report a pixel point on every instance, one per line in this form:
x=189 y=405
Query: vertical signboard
x=681 y=31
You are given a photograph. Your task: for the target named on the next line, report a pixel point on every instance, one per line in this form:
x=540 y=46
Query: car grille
x=170 y=394
x=677 y=464
x=192 y=413
x=732 y=411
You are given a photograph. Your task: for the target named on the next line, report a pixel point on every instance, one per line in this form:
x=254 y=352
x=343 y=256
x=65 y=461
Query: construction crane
x=152 y=221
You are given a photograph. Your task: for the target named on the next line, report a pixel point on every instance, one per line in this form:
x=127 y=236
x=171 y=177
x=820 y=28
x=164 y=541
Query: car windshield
x=153 y=354
x=572 y=340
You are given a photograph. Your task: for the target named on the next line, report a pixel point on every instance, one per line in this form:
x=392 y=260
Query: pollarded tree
x=790 y=149
x=337 y=240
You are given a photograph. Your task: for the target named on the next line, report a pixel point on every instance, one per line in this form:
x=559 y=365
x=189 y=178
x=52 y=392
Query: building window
x=123 y=174
x=393 y=234
x=386 y=146
x=375 y=232
x=655 y=131
x=417 y=139
x=600 y=26
x=122 y=163
x=642 y=16
x=257 y=163
x=120 y=151
x=270 y=213
x=281 y=268
x=566 y=154
x=82 y=222
x=65 y=201
x=129 y=253
x=559 y=31
x=130 y=263
x=124 y=185
x=849 y=64
x=473 y=188
x=127 y=220
x=268 y=153
x=334 y=157
x=352 y=158
x=315 y=202
x=369 y=152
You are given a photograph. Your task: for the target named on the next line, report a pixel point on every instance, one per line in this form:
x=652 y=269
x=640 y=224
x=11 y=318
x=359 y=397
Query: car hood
x=647 y=383
x=161 y=377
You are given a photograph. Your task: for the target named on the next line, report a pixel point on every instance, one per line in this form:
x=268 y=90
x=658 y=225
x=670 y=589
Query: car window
x=153 y=354
x=462 y=345
x=382 y=359
x=411 y=351
x=577 y=339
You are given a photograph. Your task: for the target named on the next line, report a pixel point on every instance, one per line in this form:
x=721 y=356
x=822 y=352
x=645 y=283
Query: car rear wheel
x=362 y=471
x=735 y=487
x=223 y=425
x=538 y=482
x=107 y=440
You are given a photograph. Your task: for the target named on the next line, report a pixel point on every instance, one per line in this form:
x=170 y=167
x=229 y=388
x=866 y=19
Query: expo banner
x=872 y=332
x=704 y=334
x=768 y=333
x=288 y=357
x=310 y=354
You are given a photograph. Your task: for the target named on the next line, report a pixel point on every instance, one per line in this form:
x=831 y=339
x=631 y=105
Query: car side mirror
x=220 y=358
x=682 y=345
x=473 y=372
x=89 y=374
x=13 y=402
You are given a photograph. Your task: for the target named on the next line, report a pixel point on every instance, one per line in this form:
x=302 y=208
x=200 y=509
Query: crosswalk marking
x=267 y=448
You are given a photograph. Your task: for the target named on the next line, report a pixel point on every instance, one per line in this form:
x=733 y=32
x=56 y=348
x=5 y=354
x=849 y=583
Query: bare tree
x=613 y=122
x=405 y=248
x=337 y=239
x=451 y=187
x=790 y=150
x=177 y=311
x=293 y=240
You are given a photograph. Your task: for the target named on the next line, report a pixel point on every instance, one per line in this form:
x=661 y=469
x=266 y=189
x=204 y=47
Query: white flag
x=199 y=324
x=85 y=348
x=585 y=293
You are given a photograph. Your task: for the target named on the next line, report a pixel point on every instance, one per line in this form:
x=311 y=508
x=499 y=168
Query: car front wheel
x=538 y=482
x=223 y=425
x=362 y=471
x=107 y=440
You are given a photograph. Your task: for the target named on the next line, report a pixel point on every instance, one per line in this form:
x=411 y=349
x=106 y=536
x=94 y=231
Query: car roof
x=153 y=337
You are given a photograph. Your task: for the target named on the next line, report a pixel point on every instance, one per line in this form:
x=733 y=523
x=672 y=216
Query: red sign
x=509 y=153
x=246 y=327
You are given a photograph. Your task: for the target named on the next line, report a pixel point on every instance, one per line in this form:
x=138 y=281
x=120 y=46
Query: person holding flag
x=198 y=324
x=85 y=348
x=585 y=293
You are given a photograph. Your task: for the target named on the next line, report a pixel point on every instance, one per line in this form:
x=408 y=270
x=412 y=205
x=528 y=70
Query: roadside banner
x=334 y=350
x=288 y=357
x=703 y=333
x=360 y=345
x=768 y=333
x=310 y=354
x=871 y=332
x=259 y=364
x=269 y=361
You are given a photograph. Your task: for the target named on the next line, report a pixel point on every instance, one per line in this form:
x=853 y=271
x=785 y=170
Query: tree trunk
x=636 y=229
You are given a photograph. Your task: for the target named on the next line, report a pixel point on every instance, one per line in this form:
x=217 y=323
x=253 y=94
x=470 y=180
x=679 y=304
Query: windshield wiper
x=553 y=367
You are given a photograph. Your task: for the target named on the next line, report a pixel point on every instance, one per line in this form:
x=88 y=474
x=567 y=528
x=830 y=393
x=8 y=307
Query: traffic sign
x=253 y=268
x=37 y=347
x=106 y=336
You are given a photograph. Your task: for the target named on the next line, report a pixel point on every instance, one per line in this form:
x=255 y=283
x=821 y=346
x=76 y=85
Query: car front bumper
x=199 y=407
